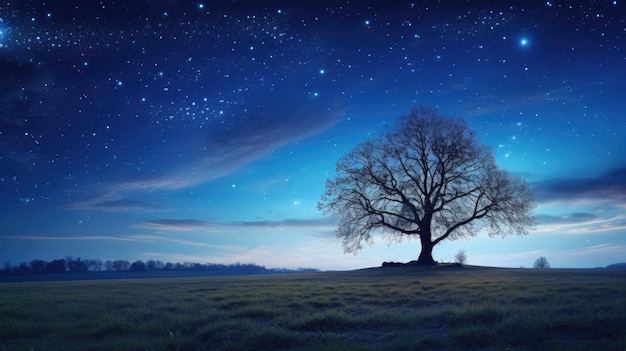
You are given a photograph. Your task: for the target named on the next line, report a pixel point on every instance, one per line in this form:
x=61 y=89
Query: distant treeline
x=621 y=265
x=71 y=265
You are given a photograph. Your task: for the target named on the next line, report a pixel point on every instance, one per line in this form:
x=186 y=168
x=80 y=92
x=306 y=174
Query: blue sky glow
x=185 y=131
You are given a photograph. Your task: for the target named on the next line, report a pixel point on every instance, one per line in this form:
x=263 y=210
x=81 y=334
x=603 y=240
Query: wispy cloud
x=596 y=203
x=194 y=224
x=253 y=139
x=571 y=218
x=71 y=237
x=141 y=238
x=578 y=223
x=114 y=203
x=181 y=241
x=604 y=227
x=610 y=186
x=178 y=224
x=218 y=155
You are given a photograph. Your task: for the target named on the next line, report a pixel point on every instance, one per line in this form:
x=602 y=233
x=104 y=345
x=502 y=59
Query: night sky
x=204 y=131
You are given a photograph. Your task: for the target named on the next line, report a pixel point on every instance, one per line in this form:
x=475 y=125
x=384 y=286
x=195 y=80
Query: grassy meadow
x=392 y=308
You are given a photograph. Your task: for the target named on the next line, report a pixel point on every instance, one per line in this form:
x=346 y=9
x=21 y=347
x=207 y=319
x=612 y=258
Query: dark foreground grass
x=398 y=308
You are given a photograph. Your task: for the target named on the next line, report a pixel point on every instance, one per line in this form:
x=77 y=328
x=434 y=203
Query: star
x=90 y=94
x=524 y=42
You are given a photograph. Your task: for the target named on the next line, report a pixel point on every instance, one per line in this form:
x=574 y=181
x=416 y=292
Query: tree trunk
x=426 y=255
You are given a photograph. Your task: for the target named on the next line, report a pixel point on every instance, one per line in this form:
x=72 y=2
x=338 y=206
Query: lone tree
x=429 y=178
x=460 y=257
x=541 y=262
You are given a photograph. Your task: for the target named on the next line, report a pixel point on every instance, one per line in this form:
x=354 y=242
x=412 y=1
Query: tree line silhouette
x=78 y=265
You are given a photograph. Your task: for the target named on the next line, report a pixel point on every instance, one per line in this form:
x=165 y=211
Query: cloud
x=119 y=205
x=605 y=227
x=173 y=240
x=177 y=224
x=141 y=238
x=253 y=139
x=194 y=224
x=289 y=223
x=605 y=195
x=572 y=218
x=580 y=223
x=610 y=186
x=219 y=154
x=70 y=237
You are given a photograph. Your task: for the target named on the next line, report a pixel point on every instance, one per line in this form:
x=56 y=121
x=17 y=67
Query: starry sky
x=197 y=131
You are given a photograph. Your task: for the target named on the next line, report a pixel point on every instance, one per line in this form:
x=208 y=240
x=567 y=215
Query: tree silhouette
x=56 y=266
x=541 y=262
x=37 y=266
x=93 y=266
x=120 y=265
x=460 y=257
x=76 y=265
x=137 y=266
x=429 y=178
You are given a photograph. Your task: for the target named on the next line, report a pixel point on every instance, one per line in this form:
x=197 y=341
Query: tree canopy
x=541 y=262
x=428 y=178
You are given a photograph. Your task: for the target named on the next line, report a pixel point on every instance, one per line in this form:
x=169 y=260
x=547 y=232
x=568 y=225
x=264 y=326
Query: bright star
x=524 y=42
x=3 y=33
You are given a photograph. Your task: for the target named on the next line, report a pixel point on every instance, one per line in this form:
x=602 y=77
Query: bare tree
x=97 y=264
x=541 y=262
x=94 y=264
x=38 y=266
x=121 y=265
x=151 y=265
x=429 y=178
x=76 y=265
x=460 y=257
x=137 y=266
x=22 y=268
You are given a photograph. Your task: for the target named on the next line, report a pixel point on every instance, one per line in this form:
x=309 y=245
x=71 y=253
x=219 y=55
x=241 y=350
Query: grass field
x=394 y=308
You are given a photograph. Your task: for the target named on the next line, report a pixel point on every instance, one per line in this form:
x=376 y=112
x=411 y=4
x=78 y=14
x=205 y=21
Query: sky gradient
x=204 y=131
